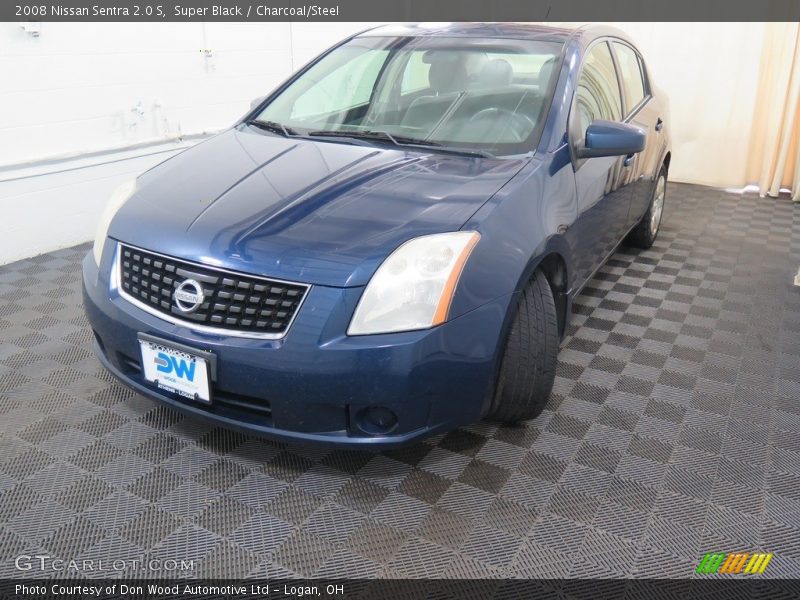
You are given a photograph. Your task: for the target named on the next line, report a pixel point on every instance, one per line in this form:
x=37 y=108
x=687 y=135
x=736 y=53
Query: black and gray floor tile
x=673 y=430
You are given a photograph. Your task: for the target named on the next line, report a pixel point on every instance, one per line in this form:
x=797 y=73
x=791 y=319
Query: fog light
x=376 y=419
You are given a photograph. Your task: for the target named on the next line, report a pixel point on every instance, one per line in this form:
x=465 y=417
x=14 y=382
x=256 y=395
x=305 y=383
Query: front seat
x=447 y=78
x=544 y=74
x=490 y=120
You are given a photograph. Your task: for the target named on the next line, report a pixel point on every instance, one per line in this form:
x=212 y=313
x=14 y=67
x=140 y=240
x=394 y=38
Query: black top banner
x=400 y=10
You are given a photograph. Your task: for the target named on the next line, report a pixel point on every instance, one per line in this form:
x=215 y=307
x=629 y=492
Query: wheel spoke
x=658 y=206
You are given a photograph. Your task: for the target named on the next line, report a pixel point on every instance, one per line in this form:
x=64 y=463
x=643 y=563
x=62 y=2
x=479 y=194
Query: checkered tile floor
x=673 y=429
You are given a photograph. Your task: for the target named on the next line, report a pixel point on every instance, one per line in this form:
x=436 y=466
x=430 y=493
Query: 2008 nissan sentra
x=388 y=245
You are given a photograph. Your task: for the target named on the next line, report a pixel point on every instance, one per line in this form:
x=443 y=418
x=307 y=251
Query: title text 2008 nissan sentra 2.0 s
x=388 y=245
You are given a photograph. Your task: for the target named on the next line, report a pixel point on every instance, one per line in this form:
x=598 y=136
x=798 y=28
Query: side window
x=348 y=86
x=597 y=95
x=631 y=72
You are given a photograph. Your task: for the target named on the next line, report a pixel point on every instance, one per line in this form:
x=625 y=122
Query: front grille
x=232 y=301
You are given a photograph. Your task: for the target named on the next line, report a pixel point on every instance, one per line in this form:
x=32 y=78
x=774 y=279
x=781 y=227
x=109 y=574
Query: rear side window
x=597 y=95
x=631 y=71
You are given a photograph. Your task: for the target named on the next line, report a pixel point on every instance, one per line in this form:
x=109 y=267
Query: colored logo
x=171 y=364
x=188 y=296
x=734 y=563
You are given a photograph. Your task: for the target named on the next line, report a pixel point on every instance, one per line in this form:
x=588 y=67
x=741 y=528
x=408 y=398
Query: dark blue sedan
x=388 y=245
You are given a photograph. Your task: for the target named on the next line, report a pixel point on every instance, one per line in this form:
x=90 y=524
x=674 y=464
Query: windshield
x=486 y=94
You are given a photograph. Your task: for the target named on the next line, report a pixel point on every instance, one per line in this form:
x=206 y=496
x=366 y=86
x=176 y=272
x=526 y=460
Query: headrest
x=496 y=73
x=447 y=74
x=545 y=72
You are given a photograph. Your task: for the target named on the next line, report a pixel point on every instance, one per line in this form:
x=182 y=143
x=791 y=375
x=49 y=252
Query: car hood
x=318 y=212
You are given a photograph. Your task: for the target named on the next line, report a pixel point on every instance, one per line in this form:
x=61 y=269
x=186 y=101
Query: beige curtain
x=774 y=160
x=709 y=72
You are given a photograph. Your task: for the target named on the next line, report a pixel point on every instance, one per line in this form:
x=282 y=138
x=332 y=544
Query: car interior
x=470 y=98
x=493 y=105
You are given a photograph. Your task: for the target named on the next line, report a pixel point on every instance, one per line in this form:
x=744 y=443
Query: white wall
x=82 y=88
x=46 y=210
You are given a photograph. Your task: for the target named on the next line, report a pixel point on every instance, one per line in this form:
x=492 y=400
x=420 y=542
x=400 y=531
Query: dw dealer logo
x=171 y=364
x=733 y=563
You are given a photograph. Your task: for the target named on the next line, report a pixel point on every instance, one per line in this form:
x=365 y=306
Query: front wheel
x=528 y=367
x=644 y=234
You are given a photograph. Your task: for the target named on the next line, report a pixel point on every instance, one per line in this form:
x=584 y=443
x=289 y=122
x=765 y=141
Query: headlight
x=413 y=288
x=118 y=197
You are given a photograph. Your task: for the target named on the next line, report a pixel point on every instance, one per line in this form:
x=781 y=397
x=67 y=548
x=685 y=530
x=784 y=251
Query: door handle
x=659 y=124
x=628 y=161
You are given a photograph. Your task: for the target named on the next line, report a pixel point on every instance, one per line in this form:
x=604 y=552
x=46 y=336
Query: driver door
x=602 y=202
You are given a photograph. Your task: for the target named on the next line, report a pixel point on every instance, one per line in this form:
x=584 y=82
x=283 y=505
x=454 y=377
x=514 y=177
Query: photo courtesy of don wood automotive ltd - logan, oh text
x=366 y=299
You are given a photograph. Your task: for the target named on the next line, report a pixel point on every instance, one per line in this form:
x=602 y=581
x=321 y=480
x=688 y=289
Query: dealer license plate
x=176 y=371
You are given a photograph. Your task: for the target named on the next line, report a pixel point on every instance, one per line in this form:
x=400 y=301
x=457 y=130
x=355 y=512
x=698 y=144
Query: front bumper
x=315 y=384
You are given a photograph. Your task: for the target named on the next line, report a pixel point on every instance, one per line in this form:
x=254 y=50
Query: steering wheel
x=514 y=122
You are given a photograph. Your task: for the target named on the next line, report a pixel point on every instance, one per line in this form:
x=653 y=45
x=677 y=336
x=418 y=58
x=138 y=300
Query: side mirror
x=256 y=102
x=609 y=138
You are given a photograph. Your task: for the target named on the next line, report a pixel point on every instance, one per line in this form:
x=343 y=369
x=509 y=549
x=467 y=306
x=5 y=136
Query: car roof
x=529 y=31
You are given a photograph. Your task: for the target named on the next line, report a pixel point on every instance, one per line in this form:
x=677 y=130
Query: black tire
x=528 y=366
x=645 y=233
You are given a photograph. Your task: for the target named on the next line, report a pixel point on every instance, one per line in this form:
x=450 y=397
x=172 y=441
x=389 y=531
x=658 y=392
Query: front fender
x=519 y=226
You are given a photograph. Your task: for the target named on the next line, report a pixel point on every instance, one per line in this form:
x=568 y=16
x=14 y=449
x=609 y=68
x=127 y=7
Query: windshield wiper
x=439 y=147
x=273 y=126
x=399 y=140
x=366 y=134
